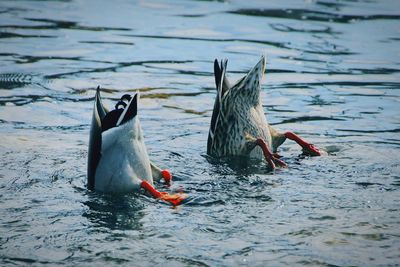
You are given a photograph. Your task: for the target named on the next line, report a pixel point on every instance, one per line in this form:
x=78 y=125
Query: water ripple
x=305 y=14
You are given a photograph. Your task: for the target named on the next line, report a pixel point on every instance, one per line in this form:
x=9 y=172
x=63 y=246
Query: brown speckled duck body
x=239 y=126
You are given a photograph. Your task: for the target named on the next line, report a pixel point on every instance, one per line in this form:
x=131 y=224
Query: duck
x=239 y=126
x=118 y=161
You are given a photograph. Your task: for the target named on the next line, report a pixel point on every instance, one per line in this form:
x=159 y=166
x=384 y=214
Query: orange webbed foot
x=272 y=159
x=311 y=150
x=308 y=149
x=278 y=162
x=174 y=199
x=167 y=175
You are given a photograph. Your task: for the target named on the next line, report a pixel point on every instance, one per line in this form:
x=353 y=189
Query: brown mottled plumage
x=238 y=123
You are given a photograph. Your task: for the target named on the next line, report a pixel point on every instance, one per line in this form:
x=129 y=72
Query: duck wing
x=222 y=85
x=94 y=153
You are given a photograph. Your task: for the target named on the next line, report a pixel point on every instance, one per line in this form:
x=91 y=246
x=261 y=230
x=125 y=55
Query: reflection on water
x=332 y=76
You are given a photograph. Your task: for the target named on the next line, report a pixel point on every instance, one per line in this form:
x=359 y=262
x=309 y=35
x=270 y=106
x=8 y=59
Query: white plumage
x=124 y=163
x=117 y=160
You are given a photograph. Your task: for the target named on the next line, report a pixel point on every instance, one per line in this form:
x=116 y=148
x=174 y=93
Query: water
x=332 y=76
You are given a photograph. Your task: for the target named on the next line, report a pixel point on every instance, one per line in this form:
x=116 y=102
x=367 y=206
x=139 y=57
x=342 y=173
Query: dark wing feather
x=130 y=111
x=222 y=86
x=111 y=119
x=94 y=153
x=217 y=74
x=100 y=108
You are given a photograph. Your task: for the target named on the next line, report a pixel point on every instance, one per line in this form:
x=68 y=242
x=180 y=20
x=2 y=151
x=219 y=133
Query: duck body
x=124 y=159
x=243 y=124
x=117 y=158
x=239 y=126
x=117 y=153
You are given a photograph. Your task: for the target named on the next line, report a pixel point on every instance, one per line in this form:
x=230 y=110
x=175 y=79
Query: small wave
x=4 y=35
x=308 y=118
x=305 y=14
x=65 y=24
x=397 y=130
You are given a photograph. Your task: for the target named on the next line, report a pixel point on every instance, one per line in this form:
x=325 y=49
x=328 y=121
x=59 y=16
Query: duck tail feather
x=130 y=111
x=222 y=86
x=94 y=153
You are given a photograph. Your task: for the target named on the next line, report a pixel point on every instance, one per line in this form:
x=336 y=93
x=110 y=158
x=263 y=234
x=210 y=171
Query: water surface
x=332 y=76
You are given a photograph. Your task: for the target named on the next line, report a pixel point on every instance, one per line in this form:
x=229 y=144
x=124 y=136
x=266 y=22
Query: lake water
x=333 y=76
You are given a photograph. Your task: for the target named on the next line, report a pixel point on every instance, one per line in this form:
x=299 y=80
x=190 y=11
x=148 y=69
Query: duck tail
x=94 y=153
x=217 y=73
x=222 y=85
x=221 y=81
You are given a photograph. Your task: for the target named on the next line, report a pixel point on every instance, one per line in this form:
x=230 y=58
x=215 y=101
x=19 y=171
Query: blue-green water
x=333 y=76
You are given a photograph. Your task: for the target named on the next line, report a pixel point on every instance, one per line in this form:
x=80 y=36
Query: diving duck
x=117 y=159
x=239 y=126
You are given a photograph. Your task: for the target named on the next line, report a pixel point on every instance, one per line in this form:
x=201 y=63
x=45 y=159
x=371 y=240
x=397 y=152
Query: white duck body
x=124 y=163
x=117 y=156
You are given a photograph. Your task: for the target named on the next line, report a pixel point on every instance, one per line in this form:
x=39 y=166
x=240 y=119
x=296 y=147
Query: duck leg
x=308 y=148
x=174 y=199
x=272 y=158
x=159 y=174
x=269 y=157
